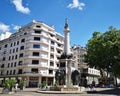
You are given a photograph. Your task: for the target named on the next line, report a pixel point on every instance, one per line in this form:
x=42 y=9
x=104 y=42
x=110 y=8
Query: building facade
x=31 y=54
x=78 y=55
x=87 y=73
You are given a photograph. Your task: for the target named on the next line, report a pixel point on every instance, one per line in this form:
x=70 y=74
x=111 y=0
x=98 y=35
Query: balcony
x=37 y=28
x=59 y=47
x=35 y=65
x=34 y=74
x=36 y=49
x=35 y=57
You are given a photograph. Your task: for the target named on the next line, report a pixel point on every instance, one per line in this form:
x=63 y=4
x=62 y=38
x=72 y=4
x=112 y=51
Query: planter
x=22 y=87
x=11 y=88
x=55 y=88
x=5 y=90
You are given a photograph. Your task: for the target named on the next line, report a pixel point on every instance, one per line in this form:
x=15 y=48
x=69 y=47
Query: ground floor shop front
x=39 y=81
x=32 y=81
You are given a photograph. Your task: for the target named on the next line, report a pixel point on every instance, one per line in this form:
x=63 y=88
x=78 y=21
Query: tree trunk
x=11 y=88
x=101 y=72
x=115 y=81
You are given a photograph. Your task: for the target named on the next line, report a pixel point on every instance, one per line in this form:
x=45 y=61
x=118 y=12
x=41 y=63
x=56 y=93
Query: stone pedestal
x=67 y=69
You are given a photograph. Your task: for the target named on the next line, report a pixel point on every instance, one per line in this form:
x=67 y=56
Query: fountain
x=63 y=75
x=67 y=78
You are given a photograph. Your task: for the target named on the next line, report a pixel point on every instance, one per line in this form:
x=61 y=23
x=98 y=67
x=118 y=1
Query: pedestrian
x=90 y=86
x=93 y=84
x=16 y=87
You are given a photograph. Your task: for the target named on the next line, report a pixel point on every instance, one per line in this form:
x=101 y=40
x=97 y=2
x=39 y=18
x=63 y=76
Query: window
x=52 y=49
x=15 y=64
x=62 y=64
x=21 y=55
x=4 y=58
x=57 y=65
x=15 y=56
x=10 y=72
x=36 y=46
x=11 y=64
x=51 y=35
x=16 y=49
x=14 y=43
x=7 y=72
x=5 y=46
x=34 y=70
x=52 y=42
x=58 y=39
x=59 y=45
x=22 y=48
x=37 y=38
x=50 y=71
x=25 y=33
x=58 y=51
x=35 y=61
x=8 y=65
x=73 y=65
x=20 y=63
x=51 y=56
x=4 y=52
x=23 y=40
x=51 y=64
x=9 y=57
x=20 y=71
x=38 y=31
x=11 y=45
x=12 y=57
x=38 y=26
x=2 y=66
x=14 y=72
x=17 y=42
x=10 y=51
x=35 y=53
x=13 y=50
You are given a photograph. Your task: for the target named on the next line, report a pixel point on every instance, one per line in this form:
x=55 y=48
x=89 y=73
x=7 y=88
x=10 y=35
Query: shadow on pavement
x=114 y=91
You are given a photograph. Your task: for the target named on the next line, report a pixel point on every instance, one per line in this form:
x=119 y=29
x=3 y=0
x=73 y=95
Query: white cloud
x=16 y=27
x=76 y=4
x=4 y=28
x=20 y=7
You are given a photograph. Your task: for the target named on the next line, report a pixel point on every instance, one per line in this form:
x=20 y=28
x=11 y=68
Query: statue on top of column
x=66 y=23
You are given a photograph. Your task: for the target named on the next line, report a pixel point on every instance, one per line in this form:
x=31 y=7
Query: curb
x=61 y=92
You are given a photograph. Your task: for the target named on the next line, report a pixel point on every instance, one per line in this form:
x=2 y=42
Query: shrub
x=22 y=83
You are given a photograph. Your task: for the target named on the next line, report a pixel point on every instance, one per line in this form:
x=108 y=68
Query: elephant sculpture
x=60 y=76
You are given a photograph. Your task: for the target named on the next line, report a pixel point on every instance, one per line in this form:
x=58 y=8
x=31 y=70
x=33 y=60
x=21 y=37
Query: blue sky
x=84 y=16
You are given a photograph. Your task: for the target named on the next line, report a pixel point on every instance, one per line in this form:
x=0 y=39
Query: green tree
x=103 y=51
x=9 y=83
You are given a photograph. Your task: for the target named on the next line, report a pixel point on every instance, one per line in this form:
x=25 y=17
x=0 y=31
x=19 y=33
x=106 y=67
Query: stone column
x=68 y=73
x=66 y=39
x=39 y=82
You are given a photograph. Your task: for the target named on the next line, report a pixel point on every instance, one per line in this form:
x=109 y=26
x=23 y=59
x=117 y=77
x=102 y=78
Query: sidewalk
x=24 y=90
x=30 y=89
x=97 y=89
x=38 y=90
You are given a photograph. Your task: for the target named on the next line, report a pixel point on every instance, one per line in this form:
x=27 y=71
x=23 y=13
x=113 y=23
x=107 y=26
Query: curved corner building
x=31 y=54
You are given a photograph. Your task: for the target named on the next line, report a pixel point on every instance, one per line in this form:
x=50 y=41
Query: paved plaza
x=96 y=92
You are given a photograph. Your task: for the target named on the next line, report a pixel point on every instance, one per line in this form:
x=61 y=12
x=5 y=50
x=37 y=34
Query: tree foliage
x=103 y=51
x=9 y=83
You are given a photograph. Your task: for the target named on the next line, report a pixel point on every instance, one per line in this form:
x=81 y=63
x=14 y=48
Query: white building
x=78 y=55
x=31 y=54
